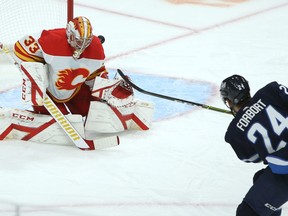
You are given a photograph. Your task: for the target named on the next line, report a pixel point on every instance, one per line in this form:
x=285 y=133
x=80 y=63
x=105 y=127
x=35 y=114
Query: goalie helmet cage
x=19 y=18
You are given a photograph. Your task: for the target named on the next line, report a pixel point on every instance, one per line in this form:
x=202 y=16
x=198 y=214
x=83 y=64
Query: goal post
x=70 y=10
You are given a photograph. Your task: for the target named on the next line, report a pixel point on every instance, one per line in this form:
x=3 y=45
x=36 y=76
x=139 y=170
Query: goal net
x=19 y=18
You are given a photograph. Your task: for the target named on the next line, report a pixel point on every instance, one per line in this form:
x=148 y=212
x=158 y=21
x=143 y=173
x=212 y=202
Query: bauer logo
x=187 y=89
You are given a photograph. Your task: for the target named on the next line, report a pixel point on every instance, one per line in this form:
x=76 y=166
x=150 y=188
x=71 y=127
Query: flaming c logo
x=70 y=79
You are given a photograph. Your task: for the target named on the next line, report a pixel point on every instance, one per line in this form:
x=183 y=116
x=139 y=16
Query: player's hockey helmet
x=79 y=34
x=235 y=89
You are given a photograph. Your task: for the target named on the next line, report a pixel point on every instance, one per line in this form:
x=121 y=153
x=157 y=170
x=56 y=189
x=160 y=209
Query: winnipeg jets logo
x=70 y=79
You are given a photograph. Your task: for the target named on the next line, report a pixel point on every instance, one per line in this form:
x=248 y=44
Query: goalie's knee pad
x=24 y=125
x=103 y=118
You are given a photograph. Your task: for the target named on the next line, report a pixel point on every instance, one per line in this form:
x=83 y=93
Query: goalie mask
x=79 y=34
x=235 y=91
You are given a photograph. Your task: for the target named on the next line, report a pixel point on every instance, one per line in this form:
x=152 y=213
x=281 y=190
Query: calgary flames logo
x=70 y=79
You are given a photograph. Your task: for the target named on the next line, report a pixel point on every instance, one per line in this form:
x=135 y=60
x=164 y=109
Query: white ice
x=182 y=165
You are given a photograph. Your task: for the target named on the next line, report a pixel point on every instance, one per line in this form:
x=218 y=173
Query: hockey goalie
x=67 y=65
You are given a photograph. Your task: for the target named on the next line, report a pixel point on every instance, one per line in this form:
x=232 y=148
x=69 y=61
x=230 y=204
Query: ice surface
x=181 y=166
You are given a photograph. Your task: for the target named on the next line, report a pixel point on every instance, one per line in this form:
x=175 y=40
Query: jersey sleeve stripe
x=22 y=54
x=277 y=165
x=255 y=159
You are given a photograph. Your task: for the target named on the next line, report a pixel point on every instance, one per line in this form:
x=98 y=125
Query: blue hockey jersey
x=259 y=131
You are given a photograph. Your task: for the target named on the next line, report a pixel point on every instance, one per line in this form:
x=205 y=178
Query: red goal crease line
x=215 y=3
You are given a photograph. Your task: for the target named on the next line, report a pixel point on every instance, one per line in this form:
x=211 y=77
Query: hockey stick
x=65 y=124
x=126 y=79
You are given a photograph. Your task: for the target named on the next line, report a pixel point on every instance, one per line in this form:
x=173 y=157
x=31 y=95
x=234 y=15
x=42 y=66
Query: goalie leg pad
x=24 y=125
x=116 y=109
x=103 y=118
x=34 y=82
x=142 y=116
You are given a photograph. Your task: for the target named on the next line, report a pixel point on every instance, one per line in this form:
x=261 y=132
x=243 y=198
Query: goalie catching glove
x=116 y=109
x=115 y=92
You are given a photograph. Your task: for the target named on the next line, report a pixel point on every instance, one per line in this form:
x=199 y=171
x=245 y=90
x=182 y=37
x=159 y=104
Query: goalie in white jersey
x=68 y=65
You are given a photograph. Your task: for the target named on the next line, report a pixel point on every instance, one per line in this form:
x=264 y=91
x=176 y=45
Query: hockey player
x=72 y=57
x=67 y=64
x=259 y=133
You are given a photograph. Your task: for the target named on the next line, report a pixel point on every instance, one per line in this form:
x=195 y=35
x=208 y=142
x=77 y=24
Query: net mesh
x=19 y=18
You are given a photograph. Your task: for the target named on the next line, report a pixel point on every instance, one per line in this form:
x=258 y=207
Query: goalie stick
x=126 y=79
x=65 y=124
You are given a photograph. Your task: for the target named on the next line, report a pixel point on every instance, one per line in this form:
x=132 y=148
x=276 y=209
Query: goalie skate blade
x=102 y=143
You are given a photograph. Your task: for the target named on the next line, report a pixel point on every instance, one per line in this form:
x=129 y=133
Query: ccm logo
x=23 y=117
x=271 y=207
x=24 y=88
